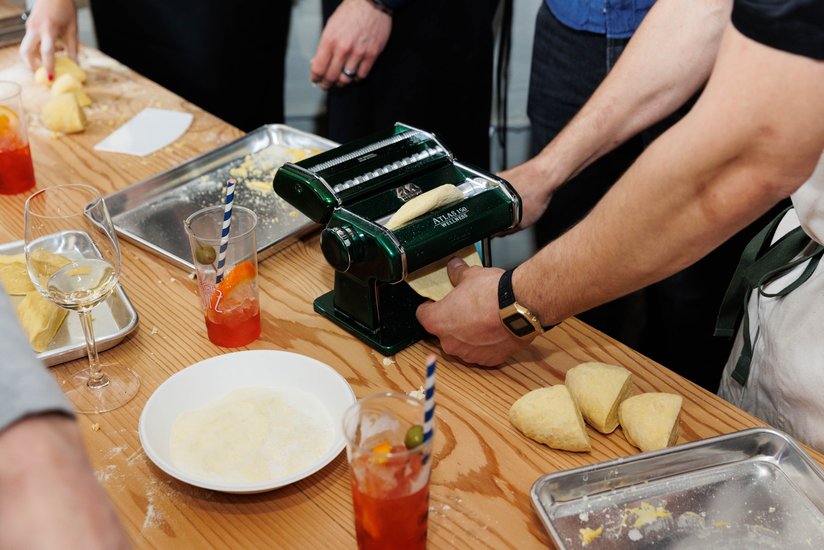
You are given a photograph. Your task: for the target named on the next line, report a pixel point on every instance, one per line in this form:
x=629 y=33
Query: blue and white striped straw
x=227 y=222
x=429 y=399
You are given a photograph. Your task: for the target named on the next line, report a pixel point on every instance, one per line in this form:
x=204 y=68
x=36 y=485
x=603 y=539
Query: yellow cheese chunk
x=14 y=274
x=40 y=319
x=62 y=65
x=598 y=390
x=62 y=113
x=550 y=416
x=650 y=420
x=69 y=83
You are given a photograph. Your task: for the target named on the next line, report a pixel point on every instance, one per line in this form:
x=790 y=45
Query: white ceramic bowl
x=210 y=380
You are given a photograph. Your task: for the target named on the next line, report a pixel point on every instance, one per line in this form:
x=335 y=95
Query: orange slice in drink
x=9 y=121
x=240 y=274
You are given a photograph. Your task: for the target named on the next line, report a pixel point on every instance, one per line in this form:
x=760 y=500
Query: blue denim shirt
x=613 y=18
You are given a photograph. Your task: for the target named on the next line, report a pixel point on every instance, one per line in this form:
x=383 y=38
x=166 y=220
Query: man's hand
x=467 y=320
x=534 y=187
x=51 y=26
x=353 y=38
x=50 y=497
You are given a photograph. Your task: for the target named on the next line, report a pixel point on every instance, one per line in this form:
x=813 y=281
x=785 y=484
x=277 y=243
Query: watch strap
x=506 y=294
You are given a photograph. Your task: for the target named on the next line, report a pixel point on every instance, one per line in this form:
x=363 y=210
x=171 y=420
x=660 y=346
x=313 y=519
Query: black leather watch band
x=382 y=6
x=506 y=295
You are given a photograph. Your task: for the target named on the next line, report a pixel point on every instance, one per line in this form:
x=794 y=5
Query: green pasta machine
x=354 y=189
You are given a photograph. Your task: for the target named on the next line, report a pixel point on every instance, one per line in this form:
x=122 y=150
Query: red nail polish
x=51 y=77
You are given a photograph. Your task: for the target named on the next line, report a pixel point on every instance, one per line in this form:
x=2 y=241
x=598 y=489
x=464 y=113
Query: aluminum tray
x=150 y=213
x=750 y=489
x=114 y=319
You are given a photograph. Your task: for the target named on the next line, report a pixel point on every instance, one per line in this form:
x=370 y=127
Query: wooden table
x=484 y=468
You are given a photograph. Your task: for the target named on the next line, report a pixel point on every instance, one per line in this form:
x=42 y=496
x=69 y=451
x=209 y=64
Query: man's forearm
x=665 y=63
x=747 y=143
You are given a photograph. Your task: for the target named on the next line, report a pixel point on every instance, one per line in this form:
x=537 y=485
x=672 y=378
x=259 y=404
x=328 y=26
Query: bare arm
x=668 y=59
x=753 y=138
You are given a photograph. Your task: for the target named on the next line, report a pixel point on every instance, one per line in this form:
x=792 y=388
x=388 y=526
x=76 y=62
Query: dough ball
x=432 y=281
x=62 y=65
x=14 y=274
x=40 y=319
x=62 y=113
x=650 y=420
x=549 y=416
x=598 y=390
x=426 y=202
x=69 y=83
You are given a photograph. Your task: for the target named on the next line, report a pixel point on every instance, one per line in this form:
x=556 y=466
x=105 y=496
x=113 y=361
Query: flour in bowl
x=252 y=435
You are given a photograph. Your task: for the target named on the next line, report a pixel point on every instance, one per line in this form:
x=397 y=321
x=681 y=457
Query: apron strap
x=760 y=263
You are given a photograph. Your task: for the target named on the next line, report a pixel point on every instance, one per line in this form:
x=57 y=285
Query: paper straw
x=429 y=399
x=227 y=222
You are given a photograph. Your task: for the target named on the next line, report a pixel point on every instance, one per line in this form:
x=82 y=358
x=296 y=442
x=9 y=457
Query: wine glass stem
x=96 y=379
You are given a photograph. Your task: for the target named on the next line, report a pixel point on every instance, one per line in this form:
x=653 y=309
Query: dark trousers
x=672 y=321
x=226 y=56
x=435 y=74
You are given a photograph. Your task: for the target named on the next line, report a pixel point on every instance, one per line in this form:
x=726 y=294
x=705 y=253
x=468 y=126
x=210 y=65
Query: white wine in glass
x=73 y=259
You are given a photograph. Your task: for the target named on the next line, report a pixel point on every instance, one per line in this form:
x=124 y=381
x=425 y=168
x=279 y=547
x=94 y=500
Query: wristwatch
x=516 y=318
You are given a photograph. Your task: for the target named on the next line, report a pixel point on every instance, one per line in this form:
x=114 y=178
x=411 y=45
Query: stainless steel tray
x=750 y=489
x=150 y=213
x=114 y=319
x=12 y=29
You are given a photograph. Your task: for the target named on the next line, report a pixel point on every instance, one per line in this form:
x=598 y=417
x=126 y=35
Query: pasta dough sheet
x=252 y=435
x=432 y=281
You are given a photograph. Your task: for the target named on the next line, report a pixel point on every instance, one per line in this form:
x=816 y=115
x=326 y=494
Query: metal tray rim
x=544 y=514
x=67 y=353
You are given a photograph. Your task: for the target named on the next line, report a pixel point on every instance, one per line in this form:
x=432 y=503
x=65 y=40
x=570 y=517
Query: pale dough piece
x=432 y=281
x=424 y=203
x=14 y=274
x=650 y=420
x=62 y=113
x=550 y=416
x=62 y=65
x=252 y=435
x=598 y=390
x=69 y=83
x=40 y=319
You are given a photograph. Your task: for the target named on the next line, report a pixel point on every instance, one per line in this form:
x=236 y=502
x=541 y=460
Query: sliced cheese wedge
x=650 y=420
x=598 y=390
x=549 y=416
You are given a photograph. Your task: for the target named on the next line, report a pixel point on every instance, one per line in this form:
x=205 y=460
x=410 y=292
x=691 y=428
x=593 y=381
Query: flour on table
x=252 y=435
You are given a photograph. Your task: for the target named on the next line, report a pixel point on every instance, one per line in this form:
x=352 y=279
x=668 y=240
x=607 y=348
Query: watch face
x=518 y=325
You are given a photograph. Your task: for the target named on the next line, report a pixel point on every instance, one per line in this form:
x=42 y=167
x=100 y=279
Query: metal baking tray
x=750 y=489
x=114 y=319
x=150 y=213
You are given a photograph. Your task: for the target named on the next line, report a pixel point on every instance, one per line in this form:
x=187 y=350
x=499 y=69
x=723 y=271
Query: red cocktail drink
x=390 y=476
x=16 y=172
x=391 y=514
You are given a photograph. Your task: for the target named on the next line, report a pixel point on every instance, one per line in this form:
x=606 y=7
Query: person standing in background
x=227 y=57
x=576 y=45
x=426 y=63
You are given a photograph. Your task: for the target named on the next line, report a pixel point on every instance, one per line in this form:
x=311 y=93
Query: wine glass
x=73 y=259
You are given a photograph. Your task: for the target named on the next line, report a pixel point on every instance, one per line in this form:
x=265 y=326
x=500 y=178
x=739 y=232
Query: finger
x=365 y=66
x=456 y=268
x=319 y=63
x=423 y=313
x=28 y=50
x=334 y=71
x=47 y=55
x=349 y=73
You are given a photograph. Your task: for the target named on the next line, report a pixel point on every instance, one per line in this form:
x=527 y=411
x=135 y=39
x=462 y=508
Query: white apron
x=785 y=383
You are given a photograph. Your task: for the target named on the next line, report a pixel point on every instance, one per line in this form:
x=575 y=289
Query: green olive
x=205 y=254
x=414 y=437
